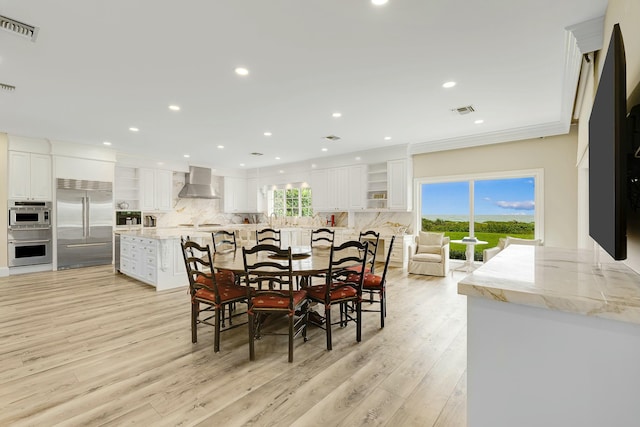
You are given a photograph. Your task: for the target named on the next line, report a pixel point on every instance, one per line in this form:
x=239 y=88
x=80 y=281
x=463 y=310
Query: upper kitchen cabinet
x=320 y=190
x=254 y=196
x=399 y=185
x=155 y=189
x=29 y=176
x=357 y=187
x=235 y=195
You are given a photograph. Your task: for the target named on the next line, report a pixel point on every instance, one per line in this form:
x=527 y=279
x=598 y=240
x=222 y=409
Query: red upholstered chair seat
x=277 y=301
x=227 y=293
x=223 y=277
x=358 y=269
x=372 y=281
x=317 y=292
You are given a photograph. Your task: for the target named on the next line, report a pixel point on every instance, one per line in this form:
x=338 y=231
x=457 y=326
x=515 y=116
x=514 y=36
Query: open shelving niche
x=127 y=187
x=377 y=186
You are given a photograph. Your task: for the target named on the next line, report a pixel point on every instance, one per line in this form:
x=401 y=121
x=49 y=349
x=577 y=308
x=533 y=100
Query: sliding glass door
x=487 y=208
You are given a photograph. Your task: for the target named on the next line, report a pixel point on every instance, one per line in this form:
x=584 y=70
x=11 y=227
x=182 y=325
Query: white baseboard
x=30 y=269
x=4 y=271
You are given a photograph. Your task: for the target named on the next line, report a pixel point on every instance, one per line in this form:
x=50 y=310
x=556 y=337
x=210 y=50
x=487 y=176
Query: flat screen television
x=608 y=151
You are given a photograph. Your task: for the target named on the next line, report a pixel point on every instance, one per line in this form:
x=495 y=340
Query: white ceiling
x=100 y=67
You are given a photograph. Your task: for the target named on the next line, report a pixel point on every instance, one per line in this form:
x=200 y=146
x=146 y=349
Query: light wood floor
x=89 y=347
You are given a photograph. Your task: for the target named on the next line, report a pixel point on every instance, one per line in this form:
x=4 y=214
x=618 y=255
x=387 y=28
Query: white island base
x=543 y=349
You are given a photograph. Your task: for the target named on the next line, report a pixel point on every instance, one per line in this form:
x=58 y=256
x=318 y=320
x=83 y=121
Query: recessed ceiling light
x=268 y=134
x=221 y=146
x=387 y=138
x=325 y=149
x=241 y=71
x=379 y=2
x=448 y=85
x=479 y=121
x=358 y=158
x=186 y=156
x=280 y=171
x=174 y=107
x=132 y=129
x=313 y=165
x=277 y=158
x=106 y=143
x=160 y=163
x=242 y=164
x=337 y=114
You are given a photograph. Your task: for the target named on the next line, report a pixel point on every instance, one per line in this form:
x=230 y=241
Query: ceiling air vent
x=7 y=88
x=255 y=153
x=464 y=110
x=19 y=28
x=332 y=138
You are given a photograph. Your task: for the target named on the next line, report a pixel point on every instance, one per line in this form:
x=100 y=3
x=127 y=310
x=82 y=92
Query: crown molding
x=589 y=34
x=571 y=74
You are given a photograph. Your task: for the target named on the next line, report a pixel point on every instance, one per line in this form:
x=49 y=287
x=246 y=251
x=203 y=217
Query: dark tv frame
x=608 y=151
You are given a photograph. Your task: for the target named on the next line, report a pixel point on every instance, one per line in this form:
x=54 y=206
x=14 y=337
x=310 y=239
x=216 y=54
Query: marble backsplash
x=211 y=211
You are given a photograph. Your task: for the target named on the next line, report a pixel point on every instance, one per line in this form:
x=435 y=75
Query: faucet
x=271 y=216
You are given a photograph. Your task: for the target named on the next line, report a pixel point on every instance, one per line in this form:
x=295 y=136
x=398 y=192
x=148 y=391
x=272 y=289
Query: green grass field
x=456 y=251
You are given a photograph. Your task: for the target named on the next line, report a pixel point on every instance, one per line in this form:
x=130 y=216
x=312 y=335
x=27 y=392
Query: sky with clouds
x=513 y=196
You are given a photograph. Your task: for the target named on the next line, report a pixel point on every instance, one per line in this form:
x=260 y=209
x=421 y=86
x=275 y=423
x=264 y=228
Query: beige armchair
x=431 y=255
x=503 y=242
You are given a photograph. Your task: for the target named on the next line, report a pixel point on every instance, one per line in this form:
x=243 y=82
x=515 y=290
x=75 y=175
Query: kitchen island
x=153 y=255
x=553 y=340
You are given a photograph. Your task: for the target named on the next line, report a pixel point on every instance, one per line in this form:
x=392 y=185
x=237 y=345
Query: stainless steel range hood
x=198 y=184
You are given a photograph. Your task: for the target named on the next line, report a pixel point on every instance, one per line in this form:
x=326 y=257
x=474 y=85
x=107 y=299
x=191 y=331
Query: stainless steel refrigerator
x=84 y=213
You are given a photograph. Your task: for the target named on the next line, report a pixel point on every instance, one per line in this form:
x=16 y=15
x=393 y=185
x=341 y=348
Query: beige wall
x=4 y=156
x=555 y=155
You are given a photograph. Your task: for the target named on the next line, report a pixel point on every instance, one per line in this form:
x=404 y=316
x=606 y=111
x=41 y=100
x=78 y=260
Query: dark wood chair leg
x=327 y=316
x=252 y=354
x=195 y=308
x=383 y=308
x=291 y=321
x=359 y=321
x=219 y=312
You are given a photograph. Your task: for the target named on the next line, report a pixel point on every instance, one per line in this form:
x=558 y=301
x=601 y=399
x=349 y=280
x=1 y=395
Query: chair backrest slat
x=269 y=264
x=322 y=237
x=373 y=239
x=224 y=241
x=268 y=236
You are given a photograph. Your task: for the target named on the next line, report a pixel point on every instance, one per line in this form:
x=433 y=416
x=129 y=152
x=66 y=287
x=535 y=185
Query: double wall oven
x=30 y=236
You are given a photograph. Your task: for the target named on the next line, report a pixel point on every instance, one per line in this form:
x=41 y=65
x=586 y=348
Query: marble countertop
x=558 y=279
x=204 y=231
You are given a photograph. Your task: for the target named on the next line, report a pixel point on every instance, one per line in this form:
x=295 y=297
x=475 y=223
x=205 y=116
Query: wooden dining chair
x=224 y=241
x=272 y=265
x=338 y=291
x=373 y=238
x=268 y=236
x=209 y=288
x=322 y=237
x=376 y=285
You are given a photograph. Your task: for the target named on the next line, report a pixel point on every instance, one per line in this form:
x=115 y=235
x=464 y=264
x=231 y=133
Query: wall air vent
x=464 y=110
x=19 y=28
x=7 y=88
x=332 y=138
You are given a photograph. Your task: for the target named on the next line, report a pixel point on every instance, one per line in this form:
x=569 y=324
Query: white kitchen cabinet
x=320 y=190
x=399 y=185
x=155 y=189
x=157 y=262
x=254 y=199
x=357 y=187
x=400 y=251
x=235 y=194
x=29 y=176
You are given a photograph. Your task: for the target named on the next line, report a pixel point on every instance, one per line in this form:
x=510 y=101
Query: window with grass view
x=292 y=202
x=488 y=209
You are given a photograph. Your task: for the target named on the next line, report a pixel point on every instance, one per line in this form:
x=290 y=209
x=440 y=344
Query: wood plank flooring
x=88 y=347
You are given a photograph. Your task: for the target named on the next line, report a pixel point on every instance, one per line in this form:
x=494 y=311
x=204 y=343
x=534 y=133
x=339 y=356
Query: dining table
x=307 y=261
